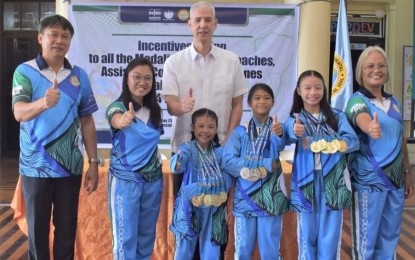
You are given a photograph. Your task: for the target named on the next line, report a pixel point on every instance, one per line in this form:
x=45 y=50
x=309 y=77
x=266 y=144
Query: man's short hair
x=201 y=4
x=54 y=20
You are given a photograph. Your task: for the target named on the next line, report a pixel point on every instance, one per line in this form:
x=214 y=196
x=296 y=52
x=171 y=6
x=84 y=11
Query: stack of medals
x=325 y=139
x=251 y=170
x=211 y=184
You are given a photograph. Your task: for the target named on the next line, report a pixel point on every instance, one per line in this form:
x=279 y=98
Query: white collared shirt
x=214 y=79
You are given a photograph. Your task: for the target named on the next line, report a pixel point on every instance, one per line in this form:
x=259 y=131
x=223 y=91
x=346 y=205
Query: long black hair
x=149 y=100
x=325 y=108
x=209 y=113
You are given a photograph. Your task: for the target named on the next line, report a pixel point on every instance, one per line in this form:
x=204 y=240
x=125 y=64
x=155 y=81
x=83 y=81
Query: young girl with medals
x=135 y=181
x=320 y=185
x=251 y=155
x=200 y=207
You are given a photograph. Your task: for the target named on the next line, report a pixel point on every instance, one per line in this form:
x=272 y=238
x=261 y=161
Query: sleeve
x=279 y=141
x=114 y=108
x=277 y=145
x=227 y=177
x=189 y=190
x=240 y=83
x=289 y=130
x=347 y=133
x=22 y=87
x=232 y=160
x=88 y=104
x=182 y=157
x=355 y=106
x=170 y=81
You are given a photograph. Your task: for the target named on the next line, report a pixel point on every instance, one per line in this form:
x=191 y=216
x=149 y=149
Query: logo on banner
x=154 y=14
x=339 y=74
x=183 y=15
x=168 y=15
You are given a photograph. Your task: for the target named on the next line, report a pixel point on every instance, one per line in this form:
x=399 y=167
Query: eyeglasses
x=139 y=78
x=54 y=36
x=380 y=66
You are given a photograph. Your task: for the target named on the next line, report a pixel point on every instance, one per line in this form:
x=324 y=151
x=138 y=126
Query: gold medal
x=245 y=173
x=314 y=147
x=328 y=149
x=332 y=149
x=263 y=172
x=207 y=200
x=336 y=144
x=217 y=200
x=197 y=201
x=255 y=174
x=223 y=196
x=322 y=144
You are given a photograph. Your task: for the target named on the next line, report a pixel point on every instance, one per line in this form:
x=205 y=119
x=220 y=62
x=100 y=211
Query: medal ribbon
x=258 y=141
x=210 y=174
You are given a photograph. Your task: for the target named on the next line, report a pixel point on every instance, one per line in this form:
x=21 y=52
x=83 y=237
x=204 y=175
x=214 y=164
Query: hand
x=91 y=178
x=52 y=95
x=374 y=127
x=128 y=116
x=306 y=142
x=276 y=127
x=299 y=129
x=188 y=102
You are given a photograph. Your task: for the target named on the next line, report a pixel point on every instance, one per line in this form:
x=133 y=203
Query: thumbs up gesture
x=374 y=127
x=299 y=128
x=52 y=95
x=128 y=116
x=188 y=102
x=276 y=127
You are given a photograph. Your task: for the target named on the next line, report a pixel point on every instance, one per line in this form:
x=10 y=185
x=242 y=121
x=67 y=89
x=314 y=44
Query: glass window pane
x=11 y=16
x=30 y=16
x=47 y=9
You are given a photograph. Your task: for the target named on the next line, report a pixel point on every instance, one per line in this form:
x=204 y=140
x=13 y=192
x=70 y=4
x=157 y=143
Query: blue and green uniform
x=135 y=185
x=50 y=143
x=205 y=223
x=320 y=189
x=51 y=159
x=257 y=205
x=377 y=178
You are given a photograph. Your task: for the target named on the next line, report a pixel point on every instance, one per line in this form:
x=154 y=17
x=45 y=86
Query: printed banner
x=108 y=36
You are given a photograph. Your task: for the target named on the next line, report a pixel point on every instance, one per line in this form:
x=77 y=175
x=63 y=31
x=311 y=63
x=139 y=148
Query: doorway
x=18 y=38
x=17 y=48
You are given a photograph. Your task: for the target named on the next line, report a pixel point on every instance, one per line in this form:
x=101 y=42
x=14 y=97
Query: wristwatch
x=94 y=160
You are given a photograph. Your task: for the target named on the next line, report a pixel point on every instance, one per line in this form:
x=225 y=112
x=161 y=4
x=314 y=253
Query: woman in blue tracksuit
x=135 y=179
x=251 y=155
x=380 y=170
x=320 y=184
x=200 y=207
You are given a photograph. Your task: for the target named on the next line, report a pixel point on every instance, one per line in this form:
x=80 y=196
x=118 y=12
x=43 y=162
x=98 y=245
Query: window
x=19 y=16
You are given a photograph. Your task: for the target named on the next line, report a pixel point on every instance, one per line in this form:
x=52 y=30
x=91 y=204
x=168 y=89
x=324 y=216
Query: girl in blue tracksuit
x=135 y=179
x=320 y=185
x=200 y=207
x=251 y=155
